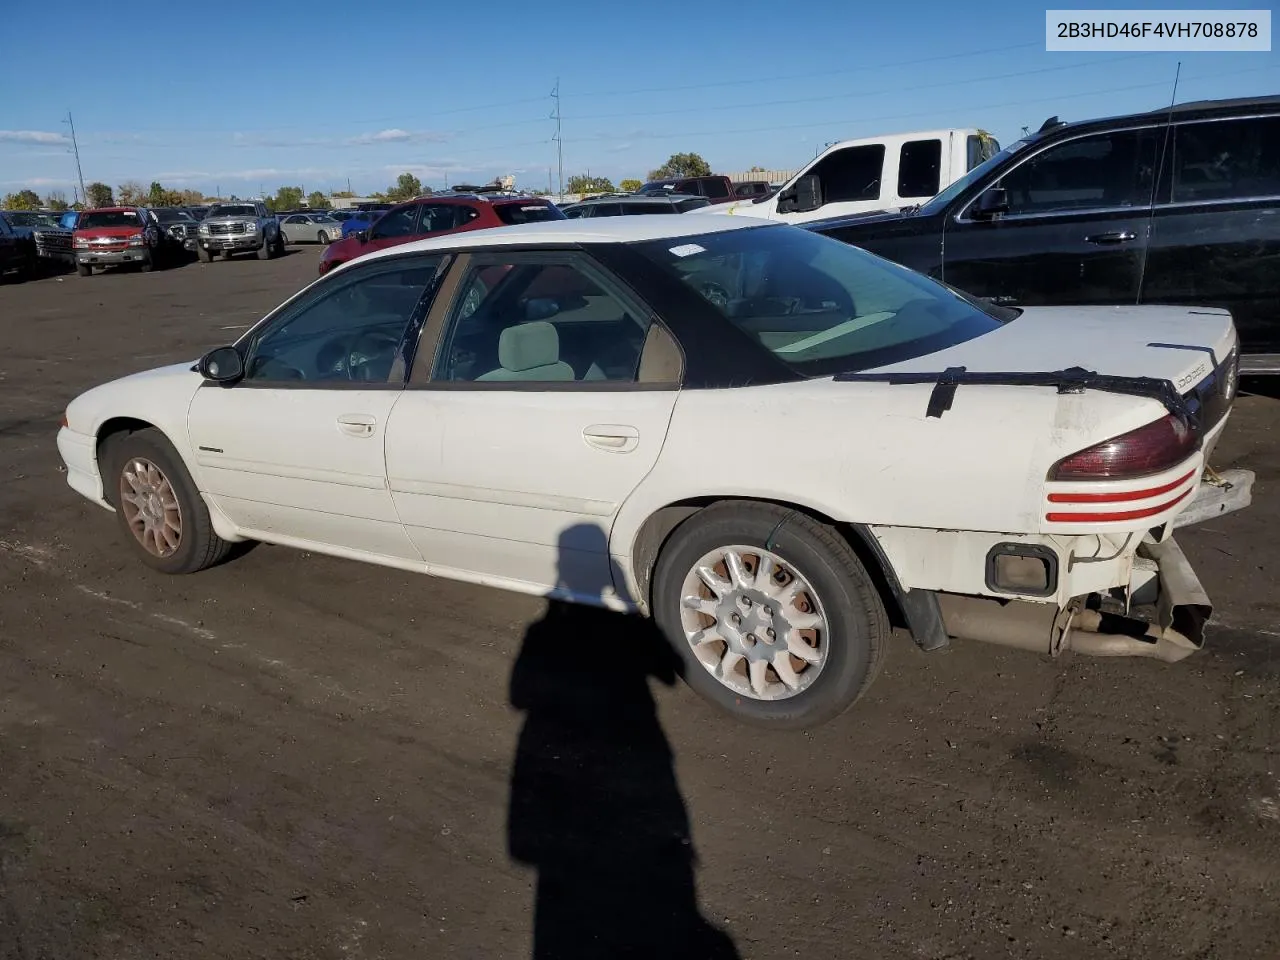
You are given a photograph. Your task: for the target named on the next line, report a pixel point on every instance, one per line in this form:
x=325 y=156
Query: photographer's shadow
x=595 y=807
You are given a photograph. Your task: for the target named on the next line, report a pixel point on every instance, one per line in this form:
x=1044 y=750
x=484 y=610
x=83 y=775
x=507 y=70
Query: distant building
x=348 y=203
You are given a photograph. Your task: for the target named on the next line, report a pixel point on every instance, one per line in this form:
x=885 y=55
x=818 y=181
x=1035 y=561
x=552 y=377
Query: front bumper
x=79 y=453
x=239 y=241
x=103 y=258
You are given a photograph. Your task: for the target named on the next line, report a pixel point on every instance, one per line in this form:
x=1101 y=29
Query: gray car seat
x=530 y=351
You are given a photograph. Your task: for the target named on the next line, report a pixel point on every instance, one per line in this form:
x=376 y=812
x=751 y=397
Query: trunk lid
x=1180 y=344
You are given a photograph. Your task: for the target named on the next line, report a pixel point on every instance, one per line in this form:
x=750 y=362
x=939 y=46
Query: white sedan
x=310 y=228
x=774 y=444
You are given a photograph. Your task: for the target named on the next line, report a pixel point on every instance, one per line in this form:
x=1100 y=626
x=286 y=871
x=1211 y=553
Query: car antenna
x=1155 y=174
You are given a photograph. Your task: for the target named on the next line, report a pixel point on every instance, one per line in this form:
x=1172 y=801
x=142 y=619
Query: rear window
x=819 y=305
x=513 y=213
x=108 y=218
x=919 y=168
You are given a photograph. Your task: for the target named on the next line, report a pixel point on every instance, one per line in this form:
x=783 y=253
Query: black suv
x=1174 y=206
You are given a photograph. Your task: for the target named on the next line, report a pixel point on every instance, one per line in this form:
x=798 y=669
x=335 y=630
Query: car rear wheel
x=84 y=269
x=267 y=250
x=148 y=264
x=158 y=506
x=773 y=615
x=322 y=237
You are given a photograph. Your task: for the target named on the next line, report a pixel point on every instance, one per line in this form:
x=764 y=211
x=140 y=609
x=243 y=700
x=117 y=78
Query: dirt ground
x=291 y=756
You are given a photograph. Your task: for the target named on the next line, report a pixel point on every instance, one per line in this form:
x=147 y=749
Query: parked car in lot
x=439 y=214
x=716 y=188
x=629 y=204
x=364 y=217
x=751 y=189
x=1172 y=206
x=230 y=228
x=51 y=241
x=179 y=224
x=68 y=219
x=17 y=251
x=310 y=228
x=543 y=408
x=114 y=236
x=875 y=173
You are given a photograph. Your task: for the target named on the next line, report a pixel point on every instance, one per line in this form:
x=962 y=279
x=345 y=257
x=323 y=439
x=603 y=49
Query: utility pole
x=555 y=115
x=75 y=148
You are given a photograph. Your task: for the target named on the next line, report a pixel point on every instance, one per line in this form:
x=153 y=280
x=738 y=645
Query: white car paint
x=487 y=486
x=954 y=164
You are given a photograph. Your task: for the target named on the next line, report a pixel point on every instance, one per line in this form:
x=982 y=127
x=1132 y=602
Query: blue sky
x=315 y=93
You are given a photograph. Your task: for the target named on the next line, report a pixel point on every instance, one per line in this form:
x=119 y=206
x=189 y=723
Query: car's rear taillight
x=1138 y=453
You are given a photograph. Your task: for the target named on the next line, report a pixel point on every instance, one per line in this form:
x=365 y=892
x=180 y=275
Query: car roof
x=639 y=198
x=1180 y=111
x=588 y=231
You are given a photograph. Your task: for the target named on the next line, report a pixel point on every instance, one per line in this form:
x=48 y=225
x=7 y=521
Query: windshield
x=819 y=305
x=173 y=216
x=232 y=210
x=978 y=172
x=512 y=213
x=658 y=185
x=107 y=218
x=26 y=218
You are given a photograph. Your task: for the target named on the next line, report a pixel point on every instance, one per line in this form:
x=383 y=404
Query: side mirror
x=991 y=203
x=802 y=196
x=222 y=365
x=362 y=236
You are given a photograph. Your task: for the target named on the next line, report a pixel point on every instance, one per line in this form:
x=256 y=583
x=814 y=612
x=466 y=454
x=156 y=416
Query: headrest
x=529 y=345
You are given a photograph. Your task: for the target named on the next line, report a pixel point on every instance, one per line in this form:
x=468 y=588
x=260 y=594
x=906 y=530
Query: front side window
x=533 y=319
x=1102 y=171
x=398 y=222
x=1226 y=160
x=349 y=330
x=851 y=174
x=819 y=305
x=919 y=168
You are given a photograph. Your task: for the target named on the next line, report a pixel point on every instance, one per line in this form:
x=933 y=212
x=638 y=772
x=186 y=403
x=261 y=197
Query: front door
x=1075 y=231
x=293 y=453
x=520 y=437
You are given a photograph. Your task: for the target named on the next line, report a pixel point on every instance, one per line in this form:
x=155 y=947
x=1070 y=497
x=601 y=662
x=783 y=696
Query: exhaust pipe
x=1174 y=631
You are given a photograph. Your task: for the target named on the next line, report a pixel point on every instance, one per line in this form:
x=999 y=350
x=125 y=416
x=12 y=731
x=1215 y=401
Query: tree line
x=677 y=165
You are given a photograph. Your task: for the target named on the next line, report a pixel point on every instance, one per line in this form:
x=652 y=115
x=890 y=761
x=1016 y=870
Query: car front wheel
x=773 y=615
x=158 y=506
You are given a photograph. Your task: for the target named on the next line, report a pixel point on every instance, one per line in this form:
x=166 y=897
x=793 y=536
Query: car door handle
x=616 y=438
x=1115 y=236
x=357 y=424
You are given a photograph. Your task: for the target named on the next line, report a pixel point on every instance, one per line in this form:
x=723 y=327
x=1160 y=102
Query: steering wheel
x=364 y=350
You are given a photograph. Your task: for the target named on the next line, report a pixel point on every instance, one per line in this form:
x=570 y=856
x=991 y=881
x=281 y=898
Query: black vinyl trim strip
x=1070 y=380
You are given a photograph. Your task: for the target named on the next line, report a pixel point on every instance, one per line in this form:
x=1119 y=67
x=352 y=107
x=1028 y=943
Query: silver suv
x=237 y=226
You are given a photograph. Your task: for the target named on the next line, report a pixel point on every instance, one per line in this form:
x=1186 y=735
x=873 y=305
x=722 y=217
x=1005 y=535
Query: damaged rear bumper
x=1161 y=614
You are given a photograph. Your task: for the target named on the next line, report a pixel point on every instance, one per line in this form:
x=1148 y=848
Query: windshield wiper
x=1070 y=380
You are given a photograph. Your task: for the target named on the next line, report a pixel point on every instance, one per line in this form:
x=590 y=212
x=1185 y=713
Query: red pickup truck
x=114 y=235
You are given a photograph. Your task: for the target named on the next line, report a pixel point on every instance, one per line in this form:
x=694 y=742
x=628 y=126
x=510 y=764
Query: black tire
x=227 y=254
x=84 y=269
x=198 y=546
x=858 y=624
x=206 y=256
x=148 y=264
x=280 y=244
x=267 y=250
x=322 y=237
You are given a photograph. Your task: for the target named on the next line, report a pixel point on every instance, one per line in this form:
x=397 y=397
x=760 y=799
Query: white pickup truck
x=876 y=173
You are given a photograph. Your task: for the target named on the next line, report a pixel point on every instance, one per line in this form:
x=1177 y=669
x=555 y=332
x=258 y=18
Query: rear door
x=1076 y=228
x=534 y=409
x=1215 y=236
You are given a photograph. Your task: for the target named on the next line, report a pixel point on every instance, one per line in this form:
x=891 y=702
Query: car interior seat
x=530 y=351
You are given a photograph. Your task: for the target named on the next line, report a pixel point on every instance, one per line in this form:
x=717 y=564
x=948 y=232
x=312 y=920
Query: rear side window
x=851 y=174
x=1226 y=160
x=1103 y=171
x=919 y=168
x=512 y=213
x=606 y=210
x=714 y=188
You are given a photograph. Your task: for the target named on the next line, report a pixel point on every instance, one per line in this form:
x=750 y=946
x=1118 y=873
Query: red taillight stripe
x=1123 y=496
x=1121 y=515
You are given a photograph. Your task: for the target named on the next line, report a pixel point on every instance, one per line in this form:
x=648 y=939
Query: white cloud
x=33 y=136
x=396 y=135
x=264 y=173
x=35 y=182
